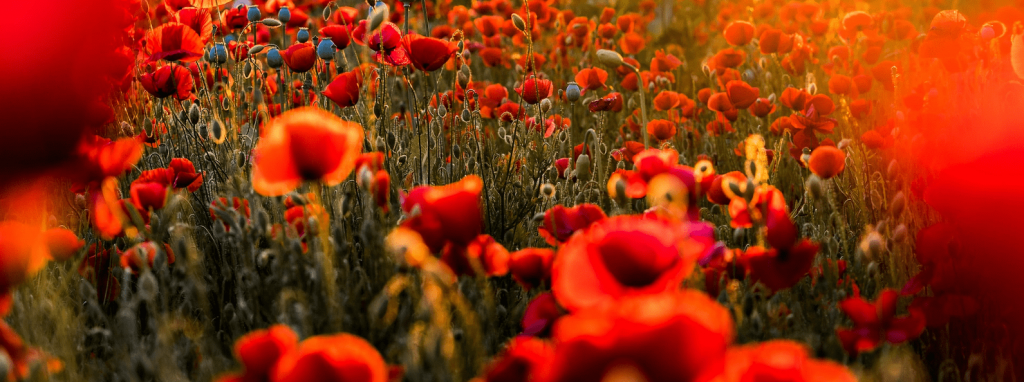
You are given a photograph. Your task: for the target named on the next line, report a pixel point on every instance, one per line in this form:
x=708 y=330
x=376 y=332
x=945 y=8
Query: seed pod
x=253 y=14
x=325 y=49
x=284 y=14
x=247 y=69
x=572 y=92
x=302 y=35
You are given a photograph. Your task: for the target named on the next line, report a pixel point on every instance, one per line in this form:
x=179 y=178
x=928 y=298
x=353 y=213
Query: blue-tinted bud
x=253 y=15
x=274 y=59
x=302 y=35
x=284 y=15
x=325 y=50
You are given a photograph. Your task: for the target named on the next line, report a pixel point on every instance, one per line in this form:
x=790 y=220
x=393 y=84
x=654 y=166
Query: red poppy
x=857 y=21
x=665 y=100
x=481 y=256
x=23 y=252
x=664 y=63
x=531 y=266
x=820 y=104
x=661 y=129
x=794 y=98
x=524 y=357
x=198 y=19
x=144 y=255
x=427 y=53
x=720 y=102
x=173 y=42
x=664 y=337
x=762 y=107
x=344 y=88
x=876 y=323
x=534 y=90
x=284 y=156
x=541 y=315
x=169 y=80
x=449 y=213
x=621 y=256
x=718 y=192
x=146 y=195
x=184 y=175
x=827 y=161
x=611 y=102
x=592 y=78
x=560 y=223
x=780 y=268
x=739 y=33
x=339 y=35
x=300 y=57
x=259 y=350
x=339 y=357
x=741 y=94
x=780 y=360
x=632 y=43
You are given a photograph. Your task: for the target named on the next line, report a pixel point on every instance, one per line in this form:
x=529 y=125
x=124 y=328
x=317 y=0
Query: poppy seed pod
x=302 y=35
x=274 y=59
x=284 y=14
x=325 y=50
x=609 y=58
x=572 y=92
x=253 y=14
x=217 y=54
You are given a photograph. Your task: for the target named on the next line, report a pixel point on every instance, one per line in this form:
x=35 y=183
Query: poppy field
x=512 y=190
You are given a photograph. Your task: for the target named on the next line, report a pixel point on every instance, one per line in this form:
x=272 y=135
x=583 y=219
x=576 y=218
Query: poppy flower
x=938 y=310
x=741 y=94
x=185 y=175
x=665 y=100
x=285 y=155
x=259 y=351
x=664 y=337
x=611 y=102
x=592 y=78
x=718 y=192
x=168 y=80
x=387 y=42
x=449 y=213
x=491 y=257
x=143 y=255
x=300 y=58
x=173 y=41
x=857 y=21
x=827 y=161
x=775 y=41
x=739 y=33
x=198 y=19
x=780 y=360
x=720 y=102
x=541 y=314
x=427 y=53
x=794 y=98
x=661 y=129
x=621 y=256
x=876 y=323
x=146 y=195
x=534 y=90
x=761 y=108
x=531 y=266
x=840 y=84
x=339 y=357
x=344 y=88
x=23 y=252
x=560 y=222
x=780 y=268
x=632 y=43
x=521 y=359
x=339 y=35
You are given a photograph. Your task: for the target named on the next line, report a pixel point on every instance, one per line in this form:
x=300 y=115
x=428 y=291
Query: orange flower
x=827 y=161
x=592 y=78
x=23 y=252
x=739 y=33
x=621 y=256
x=665 y=100
x=794 y=98
x=632 y=43
x=761 y=108
x=339 y=357
x=306 y=144
x=483 y=252
x=560 y=222
x=445 y=214
x=720 y=102
x=779 y=360
x=173 y=42
x=741 y=94
x=840 y=84
x=679 y=336
x=661 y=129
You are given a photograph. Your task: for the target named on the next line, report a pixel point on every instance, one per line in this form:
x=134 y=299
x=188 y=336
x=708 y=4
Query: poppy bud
x=284 y=14
x=463 y=79
x=898 y=203
x=545 y=105
x=583 y=167
x=325 y=50
x=377 y=17
x=900 y=233
x=518 y=22
x=466 y=115
x=572 y=92
x=609 y=58
x=253 y=14
x=302 y=35
x=872 y=246
x=442 y=111
x=893 y=169
x=193 y=114
x=814 y=187
x=547 y=190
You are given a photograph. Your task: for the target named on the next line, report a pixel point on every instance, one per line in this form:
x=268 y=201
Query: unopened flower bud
x=583 y=167
x=899 y=234
x=609 y=58
x=898 y=203
x=518 y=22
x=814 y=188
x=545 y=105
